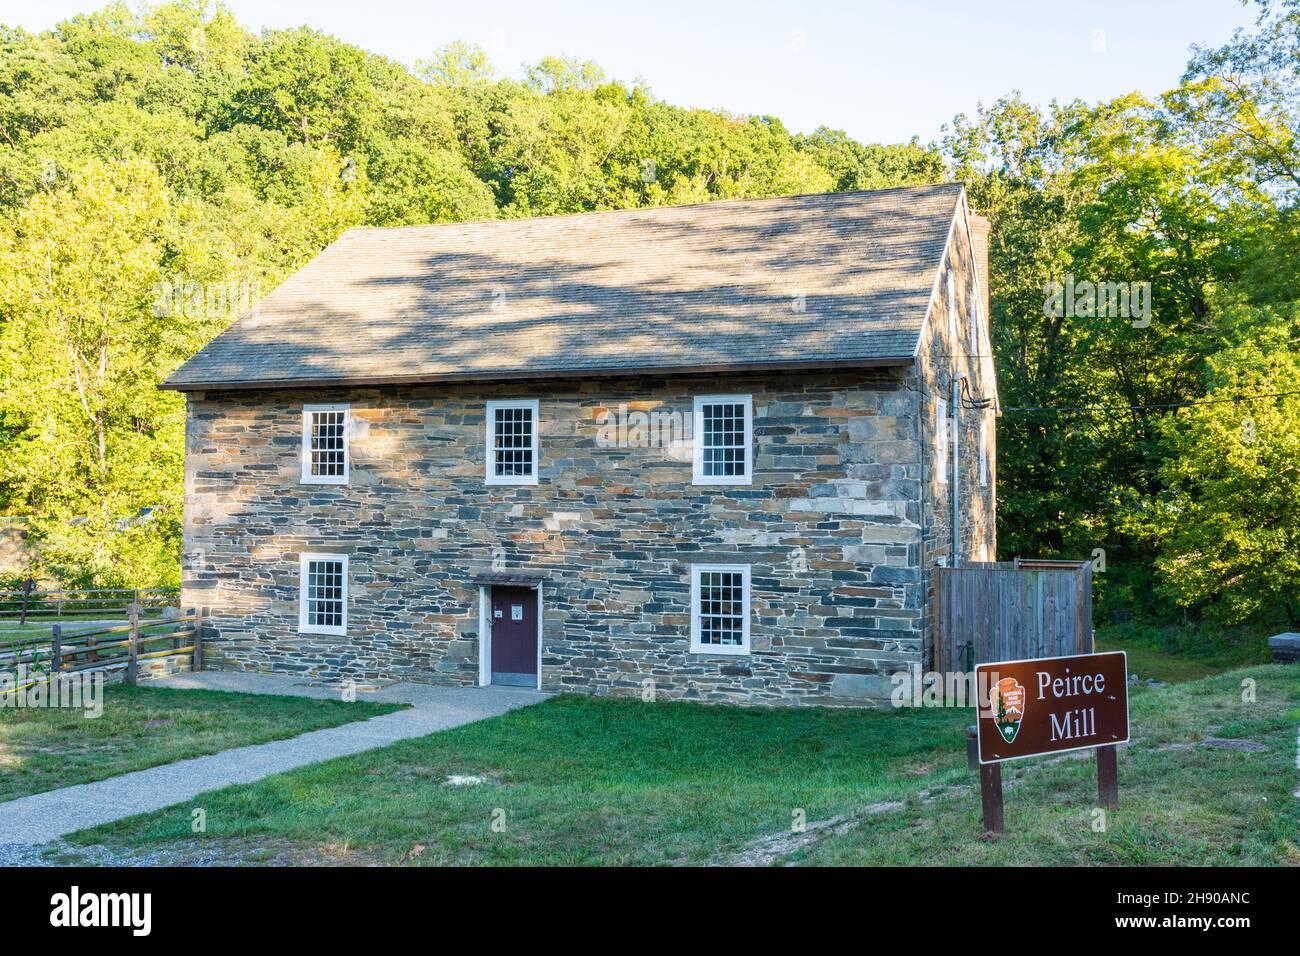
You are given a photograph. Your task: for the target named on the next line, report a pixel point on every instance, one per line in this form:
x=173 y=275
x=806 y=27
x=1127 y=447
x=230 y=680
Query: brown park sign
x=1051 y=704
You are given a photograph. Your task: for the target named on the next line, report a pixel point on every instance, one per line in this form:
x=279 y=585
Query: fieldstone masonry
x=831 y=527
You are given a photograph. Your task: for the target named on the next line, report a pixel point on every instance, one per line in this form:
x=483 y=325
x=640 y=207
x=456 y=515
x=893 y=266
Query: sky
x=882 y=71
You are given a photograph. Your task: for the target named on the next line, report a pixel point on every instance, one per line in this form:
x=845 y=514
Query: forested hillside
x=159 y=170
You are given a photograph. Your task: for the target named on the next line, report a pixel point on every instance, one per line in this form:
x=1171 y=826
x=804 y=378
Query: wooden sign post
x=1050 y=705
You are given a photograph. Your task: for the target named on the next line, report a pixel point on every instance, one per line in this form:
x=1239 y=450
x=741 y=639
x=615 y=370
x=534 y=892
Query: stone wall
x=16 y=549
x=832 y=527
x=159 y=667
x=941 y=357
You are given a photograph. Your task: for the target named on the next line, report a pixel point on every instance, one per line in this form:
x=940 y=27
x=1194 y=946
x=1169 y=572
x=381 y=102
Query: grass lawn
x=1181 y=803
x=1175 y=654
x=143 y=726
x=596 y=781
x=11 y=630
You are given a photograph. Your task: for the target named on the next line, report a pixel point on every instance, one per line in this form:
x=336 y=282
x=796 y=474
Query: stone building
x=707 y=450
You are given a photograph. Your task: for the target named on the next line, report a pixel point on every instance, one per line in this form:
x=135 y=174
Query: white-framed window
x=974 y=309
x=952 y=308
x=941 y=441
x=325 y=457
x=984 y=452
x=323 y=594
x=720 y=609
x=724 y=439
x=512 y=442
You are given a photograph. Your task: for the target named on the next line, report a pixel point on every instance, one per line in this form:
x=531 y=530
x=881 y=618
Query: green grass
x=1180 y=805
x=581 y=781
x=11 y=630
x=42 y=749
x=1176 y=654
x=596 y=781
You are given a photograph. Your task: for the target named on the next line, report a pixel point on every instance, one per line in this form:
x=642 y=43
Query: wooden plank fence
x=122 y=647
x=1011 y=611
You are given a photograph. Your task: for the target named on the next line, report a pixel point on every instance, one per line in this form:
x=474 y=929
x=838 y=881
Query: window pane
x=725 y=449
x=721 y=610
x=327 y=443
x=513 y=442
x=325 y=593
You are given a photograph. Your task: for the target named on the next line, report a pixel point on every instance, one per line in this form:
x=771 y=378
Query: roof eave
x=534 y=374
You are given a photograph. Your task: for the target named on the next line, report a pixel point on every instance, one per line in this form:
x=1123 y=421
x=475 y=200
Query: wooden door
x=514 y=636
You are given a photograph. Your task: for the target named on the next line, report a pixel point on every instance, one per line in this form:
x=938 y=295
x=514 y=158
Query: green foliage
x=155 y=167
x=1192 y=192
x=1228 y=519
x=81 y=351
x=173 y=150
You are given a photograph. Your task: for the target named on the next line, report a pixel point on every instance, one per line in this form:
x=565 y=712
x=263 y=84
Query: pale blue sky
x=883 y=71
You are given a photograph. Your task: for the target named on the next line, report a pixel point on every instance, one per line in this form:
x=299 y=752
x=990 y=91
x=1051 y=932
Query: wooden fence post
x=28 y=583
x=991 y=796
x=133 y=644
x=1108 y=777
x=56 y=646
x=196 y=663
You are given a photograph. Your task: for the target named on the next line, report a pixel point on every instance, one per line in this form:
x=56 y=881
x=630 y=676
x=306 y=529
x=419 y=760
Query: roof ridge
x=631 y=210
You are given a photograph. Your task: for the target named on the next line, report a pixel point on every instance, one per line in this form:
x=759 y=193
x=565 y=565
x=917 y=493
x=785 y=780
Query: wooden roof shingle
x=830 y=279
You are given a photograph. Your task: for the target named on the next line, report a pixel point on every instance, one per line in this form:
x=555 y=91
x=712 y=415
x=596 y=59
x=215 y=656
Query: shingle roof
x=836 y=278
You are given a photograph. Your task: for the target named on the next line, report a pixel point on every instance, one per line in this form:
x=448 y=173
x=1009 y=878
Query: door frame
x=485 y=632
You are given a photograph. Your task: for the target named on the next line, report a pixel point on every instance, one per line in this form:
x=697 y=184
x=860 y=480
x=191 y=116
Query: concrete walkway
x=46 y=816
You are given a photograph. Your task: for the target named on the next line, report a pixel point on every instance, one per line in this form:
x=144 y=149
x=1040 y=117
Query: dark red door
x=514 y=636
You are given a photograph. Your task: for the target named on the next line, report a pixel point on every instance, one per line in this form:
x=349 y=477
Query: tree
x=80 y=353
x=1228 y=523
x=310 y=87
x=1246 y=93
x=458 y=64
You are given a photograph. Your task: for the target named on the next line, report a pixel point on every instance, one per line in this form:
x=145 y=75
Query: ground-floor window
x=323 y=594
x=719 y=608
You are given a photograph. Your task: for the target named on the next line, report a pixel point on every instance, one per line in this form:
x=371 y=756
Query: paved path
x=45 y=816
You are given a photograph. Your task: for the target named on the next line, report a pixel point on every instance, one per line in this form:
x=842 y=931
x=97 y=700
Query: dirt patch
x=1230 y=743
x=212 y=851
x=768 y=850
x=773 y=849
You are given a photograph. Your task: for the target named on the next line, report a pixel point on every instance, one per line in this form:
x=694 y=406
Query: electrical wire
x=1134 y=408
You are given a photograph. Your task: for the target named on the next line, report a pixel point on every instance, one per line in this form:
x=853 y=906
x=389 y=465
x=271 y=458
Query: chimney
x=979 y=230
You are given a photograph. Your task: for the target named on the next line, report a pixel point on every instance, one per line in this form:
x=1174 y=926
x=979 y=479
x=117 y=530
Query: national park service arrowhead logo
x=1008 y=700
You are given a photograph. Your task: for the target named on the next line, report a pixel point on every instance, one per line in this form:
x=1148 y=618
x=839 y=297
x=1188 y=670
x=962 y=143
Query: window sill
x=714 y=650
x=323 y=631
x=722 y=482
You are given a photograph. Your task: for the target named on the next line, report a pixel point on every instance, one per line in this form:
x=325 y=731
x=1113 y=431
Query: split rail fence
x=19 y=607
x=125 y=647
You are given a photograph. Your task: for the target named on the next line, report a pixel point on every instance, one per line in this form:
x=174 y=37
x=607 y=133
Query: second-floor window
x=325 y=444
x=512 y=442
x=723 y=439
